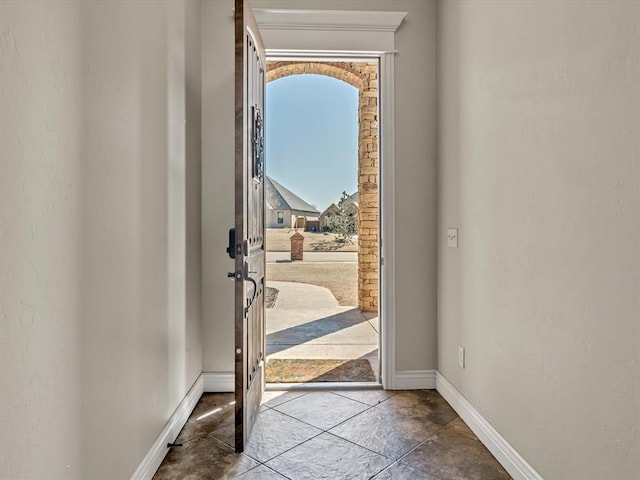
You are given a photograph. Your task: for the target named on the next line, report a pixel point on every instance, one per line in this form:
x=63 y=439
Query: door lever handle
x=254 y=294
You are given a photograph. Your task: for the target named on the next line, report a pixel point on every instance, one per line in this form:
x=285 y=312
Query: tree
x=344 y=220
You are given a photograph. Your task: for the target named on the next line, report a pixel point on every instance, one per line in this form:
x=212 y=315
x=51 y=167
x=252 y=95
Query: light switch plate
x=452 y=237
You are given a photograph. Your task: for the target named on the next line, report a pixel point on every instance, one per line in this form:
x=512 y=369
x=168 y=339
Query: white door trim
x=345 y=20
x=331 y=34
x=387 y=252
x=314 y=31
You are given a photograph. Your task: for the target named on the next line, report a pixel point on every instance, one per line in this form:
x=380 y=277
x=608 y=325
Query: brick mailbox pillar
x=297 y=246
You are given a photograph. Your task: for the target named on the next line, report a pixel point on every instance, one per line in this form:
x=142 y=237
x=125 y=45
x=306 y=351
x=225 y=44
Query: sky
x=312 y=137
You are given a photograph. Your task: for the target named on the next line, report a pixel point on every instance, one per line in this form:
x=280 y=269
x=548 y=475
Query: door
x=249 y=222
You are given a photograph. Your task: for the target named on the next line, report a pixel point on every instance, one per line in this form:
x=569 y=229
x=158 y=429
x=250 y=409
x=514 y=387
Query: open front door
x=249 y=222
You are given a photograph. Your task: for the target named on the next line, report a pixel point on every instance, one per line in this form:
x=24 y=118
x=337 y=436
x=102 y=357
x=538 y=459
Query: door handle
x=255 y=291
x=233 y=250
x=248 y=278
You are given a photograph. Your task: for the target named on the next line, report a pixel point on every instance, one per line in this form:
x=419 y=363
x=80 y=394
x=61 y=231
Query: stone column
x=368 y=190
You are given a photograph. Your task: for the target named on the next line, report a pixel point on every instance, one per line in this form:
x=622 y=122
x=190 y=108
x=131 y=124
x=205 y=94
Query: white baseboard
x=510 y=459
x=219 y=382
x=414 y=380
x=152 y=460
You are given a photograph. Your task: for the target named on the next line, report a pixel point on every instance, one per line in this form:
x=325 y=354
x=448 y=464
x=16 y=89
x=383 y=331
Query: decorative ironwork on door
x=258 y=144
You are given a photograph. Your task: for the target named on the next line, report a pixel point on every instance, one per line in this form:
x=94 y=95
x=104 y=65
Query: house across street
x=285 y=209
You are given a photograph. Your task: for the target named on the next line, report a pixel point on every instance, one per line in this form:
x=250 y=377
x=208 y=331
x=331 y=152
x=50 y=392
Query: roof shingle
x=280 y=198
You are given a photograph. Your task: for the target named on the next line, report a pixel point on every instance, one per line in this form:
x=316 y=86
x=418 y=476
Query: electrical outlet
x=452 y=237
x=461 y=356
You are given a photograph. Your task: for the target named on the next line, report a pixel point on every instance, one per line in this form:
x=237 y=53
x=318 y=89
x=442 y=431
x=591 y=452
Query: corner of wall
x=504 y=452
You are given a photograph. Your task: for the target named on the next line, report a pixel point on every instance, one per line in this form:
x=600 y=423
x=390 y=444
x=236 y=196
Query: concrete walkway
x=307 y=322
x=314 y=256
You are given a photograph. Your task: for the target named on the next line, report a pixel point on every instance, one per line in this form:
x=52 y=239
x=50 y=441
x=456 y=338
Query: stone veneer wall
x=363 y=76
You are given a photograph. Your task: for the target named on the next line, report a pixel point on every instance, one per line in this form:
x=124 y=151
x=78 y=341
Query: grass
x=278 y=241
x=339 y=277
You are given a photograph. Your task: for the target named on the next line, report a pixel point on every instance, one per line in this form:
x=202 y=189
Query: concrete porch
x=307 y=322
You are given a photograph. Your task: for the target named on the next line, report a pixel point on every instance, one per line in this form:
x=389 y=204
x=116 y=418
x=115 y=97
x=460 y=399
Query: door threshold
x=271 y=387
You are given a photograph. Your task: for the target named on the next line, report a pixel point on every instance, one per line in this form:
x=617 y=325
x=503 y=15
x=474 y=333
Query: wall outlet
x=452 y=237
x=461 y=356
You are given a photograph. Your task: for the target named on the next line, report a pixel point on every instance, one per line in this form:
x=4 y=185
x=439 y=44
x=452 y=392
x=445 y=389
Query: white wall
x=272 y=219
x=218 y=127
x=99 y=230
x=40 y=235
x=193 y=178
x=415 y=176
x=539 y=107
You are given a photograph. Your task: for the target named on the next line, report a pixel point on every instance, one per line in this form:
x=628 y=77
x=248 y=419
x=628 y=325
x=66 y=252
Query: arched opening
x=364 y=77
x=322 y=140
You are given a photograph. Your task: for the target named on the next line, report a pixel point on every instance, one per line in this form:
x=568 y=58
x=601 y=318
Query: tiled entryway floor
x=362 y=434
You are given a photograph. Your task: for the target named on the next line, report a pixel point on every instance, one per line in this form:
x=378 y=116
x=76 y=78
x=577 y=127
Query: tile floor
x=354 y=434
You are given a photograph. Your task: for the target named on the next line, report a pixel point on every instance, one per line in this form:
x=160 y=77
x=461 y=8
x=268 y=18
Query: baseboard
x=152 y=460
x=414 y=380
x=510 y=459
x=219 y=382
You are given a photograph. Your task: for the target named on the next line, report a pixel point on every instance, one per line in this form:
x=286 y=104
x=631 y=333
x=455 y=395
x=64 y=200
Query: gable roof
x=280 y=198
x=351 y=200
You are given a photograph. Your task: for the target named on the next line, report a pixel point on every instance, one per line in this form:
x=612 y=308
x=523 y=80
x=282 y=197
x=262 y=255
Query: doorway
x=295 y=35
x=323 y=302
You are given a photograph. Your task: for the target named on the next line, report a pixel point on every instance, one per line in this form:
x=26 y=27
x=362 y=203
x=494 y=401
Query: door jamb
x=386 y=195
x=339 y=34
x=387 y=227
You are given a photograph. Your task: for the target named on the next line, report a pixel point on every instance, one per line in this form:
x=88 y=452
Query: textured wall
x=539 y=107
x=193 y=192
x=40 y=237
x=218 y=113
x=99 y=234
x=415 y=176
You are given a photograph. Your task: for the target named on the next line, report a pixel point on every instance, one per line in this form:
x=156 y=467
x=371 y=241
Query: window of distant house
x=280 y=217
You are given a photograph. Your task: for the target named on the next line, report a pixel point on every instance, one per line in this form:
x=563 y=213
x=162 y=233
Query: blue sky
x=312 y=137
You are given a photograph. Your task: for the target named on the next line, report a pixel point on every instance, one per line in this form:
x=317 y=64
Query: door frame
x=330 y=35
